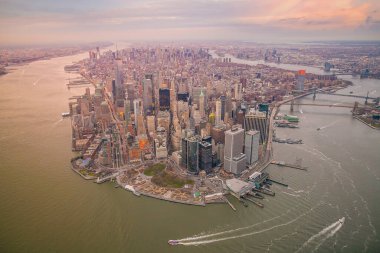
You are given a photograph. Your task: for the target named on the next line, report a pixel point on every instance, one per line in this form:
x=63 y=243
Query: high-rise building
x=259 y=122
x=300 y=80
x=251 y=146
x=238 y=91
x=205 y=156
x=164 y=99
x=147 y=95
x=218 y=112
x=223 y=106
x=137 y=108
x=118 y=86
x=234 y=159
x=202 y=104
x=140 y=125
x=192 y=155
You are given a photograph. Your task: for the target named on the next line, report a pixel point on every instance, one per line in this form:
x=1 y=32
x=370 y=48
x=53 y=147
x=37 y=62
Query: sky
x=35 y=22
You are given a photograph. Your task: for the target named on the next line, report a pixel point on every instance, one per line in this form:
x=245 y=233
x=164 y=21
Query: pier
x=294 y=166
x=276 y=182
x=254 y=202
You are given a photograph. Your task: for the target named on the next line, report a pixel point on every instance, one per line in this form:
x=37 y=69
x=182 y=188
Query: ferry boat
x=173 y=242
x=65 y=114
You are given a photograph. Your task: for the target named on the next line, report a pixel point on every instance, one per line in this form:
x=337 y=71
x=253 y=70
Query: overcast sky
x=44 y=21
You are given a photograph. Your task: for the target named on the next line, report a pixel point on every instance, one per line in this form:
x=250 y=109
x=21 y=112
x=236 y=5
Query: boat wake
x=329 y=125
x=328 y=232
x=197 y=240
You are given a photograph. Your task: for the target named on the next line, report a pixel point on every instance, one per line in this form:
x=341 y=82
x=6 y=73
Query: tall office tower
x=148 y=95
x=205 y=156
x=218 y=112
x=259 y=122
x=184 y=151
x=238 y=91
x=164 y=99
x=229 y=104
x=300 y=80
x=251 y=146
x=193 y=156
x=223 y=106
x=234 y=159
x=190 y=154
x=119 y=91
x=137 y=108
x=202 y=109
x=127 y=111
x=173 y=98
x=140 y=125
x=151 y=125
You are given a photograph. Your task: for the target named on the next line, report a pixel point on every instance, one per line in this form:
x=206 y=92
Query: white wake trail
x=321 y=233
x=194 y=238
x=247 y=234
x=331 y=234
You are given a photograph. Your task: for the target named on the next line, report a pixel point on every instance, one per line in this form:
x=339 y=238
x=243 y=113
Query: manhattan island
x=180 y=123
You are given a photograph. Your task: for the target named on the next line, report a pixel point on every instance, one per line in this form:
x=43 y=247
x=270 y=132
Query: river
x=46 y=207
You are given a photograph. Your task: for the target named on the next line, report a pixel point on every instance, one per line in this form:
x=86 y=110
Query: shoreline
x=356 y=117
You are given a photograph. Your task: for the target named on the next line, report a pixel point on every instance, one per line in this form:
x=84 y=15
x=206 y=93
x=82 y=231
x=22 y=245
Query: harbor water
x=46 y=207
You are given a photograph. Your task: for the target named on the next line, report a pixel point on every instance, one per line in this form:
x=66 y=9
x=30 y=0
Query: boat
x=291 y=118
x=318 y=128
x=173 y=242
x=65 y=114
x=342 y=220
x=351 y=92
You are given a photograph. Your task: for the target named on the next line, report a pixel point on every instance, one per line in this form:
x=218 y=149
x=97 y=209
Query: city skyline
x=47 y=22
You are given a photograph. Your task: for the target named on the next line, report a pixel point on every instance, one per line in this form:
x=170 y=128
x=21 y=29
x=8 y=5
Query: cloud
x=242 y=19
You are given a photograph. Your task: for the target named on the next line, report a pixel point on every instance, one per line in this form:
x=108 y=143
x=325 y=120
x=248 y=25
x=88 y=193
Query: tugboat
x=173 y=242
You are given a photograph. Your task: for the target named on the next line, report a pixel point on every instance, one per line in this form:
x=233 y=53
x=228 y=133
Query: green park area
x=165 y=179
x=154 y=169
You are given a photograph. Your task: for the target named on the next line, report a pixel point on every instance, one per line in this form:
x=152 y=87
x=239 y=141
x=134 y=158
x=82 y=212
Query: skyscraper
x=259 y=122
x=118 y=87
x=192 y=152
x=137 y=108
x=147 y=95
x=238 y=91
x=164 y=98
x=202 y=108
x=251 y=146
x=218 y=112
x=205 y=156
x=234 y=159
x=223 y=106
x=300 y=80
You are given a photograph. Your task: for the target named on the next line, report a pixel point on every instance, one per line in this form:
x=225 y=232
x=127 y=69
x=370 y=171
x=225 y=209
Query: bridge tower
x=291 y=106
x=314 y=93
x=366 y=98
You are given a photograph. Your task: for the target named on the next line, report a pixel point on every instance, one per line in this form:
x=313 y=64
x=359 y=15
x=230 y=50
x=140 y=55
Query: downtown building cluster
x=177 y=103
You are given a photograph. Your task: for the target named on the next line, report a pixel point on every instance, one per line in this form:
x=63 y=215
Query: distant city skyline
x=43 y=22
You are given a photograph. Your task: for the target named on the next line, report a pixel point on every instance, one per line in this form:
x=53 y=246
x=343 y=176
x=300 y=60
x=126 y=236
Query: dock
x=264 y=191
x=254 y=202
x=274 y=181
x=284 y=164
x=255 y=195
x=230 y=204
